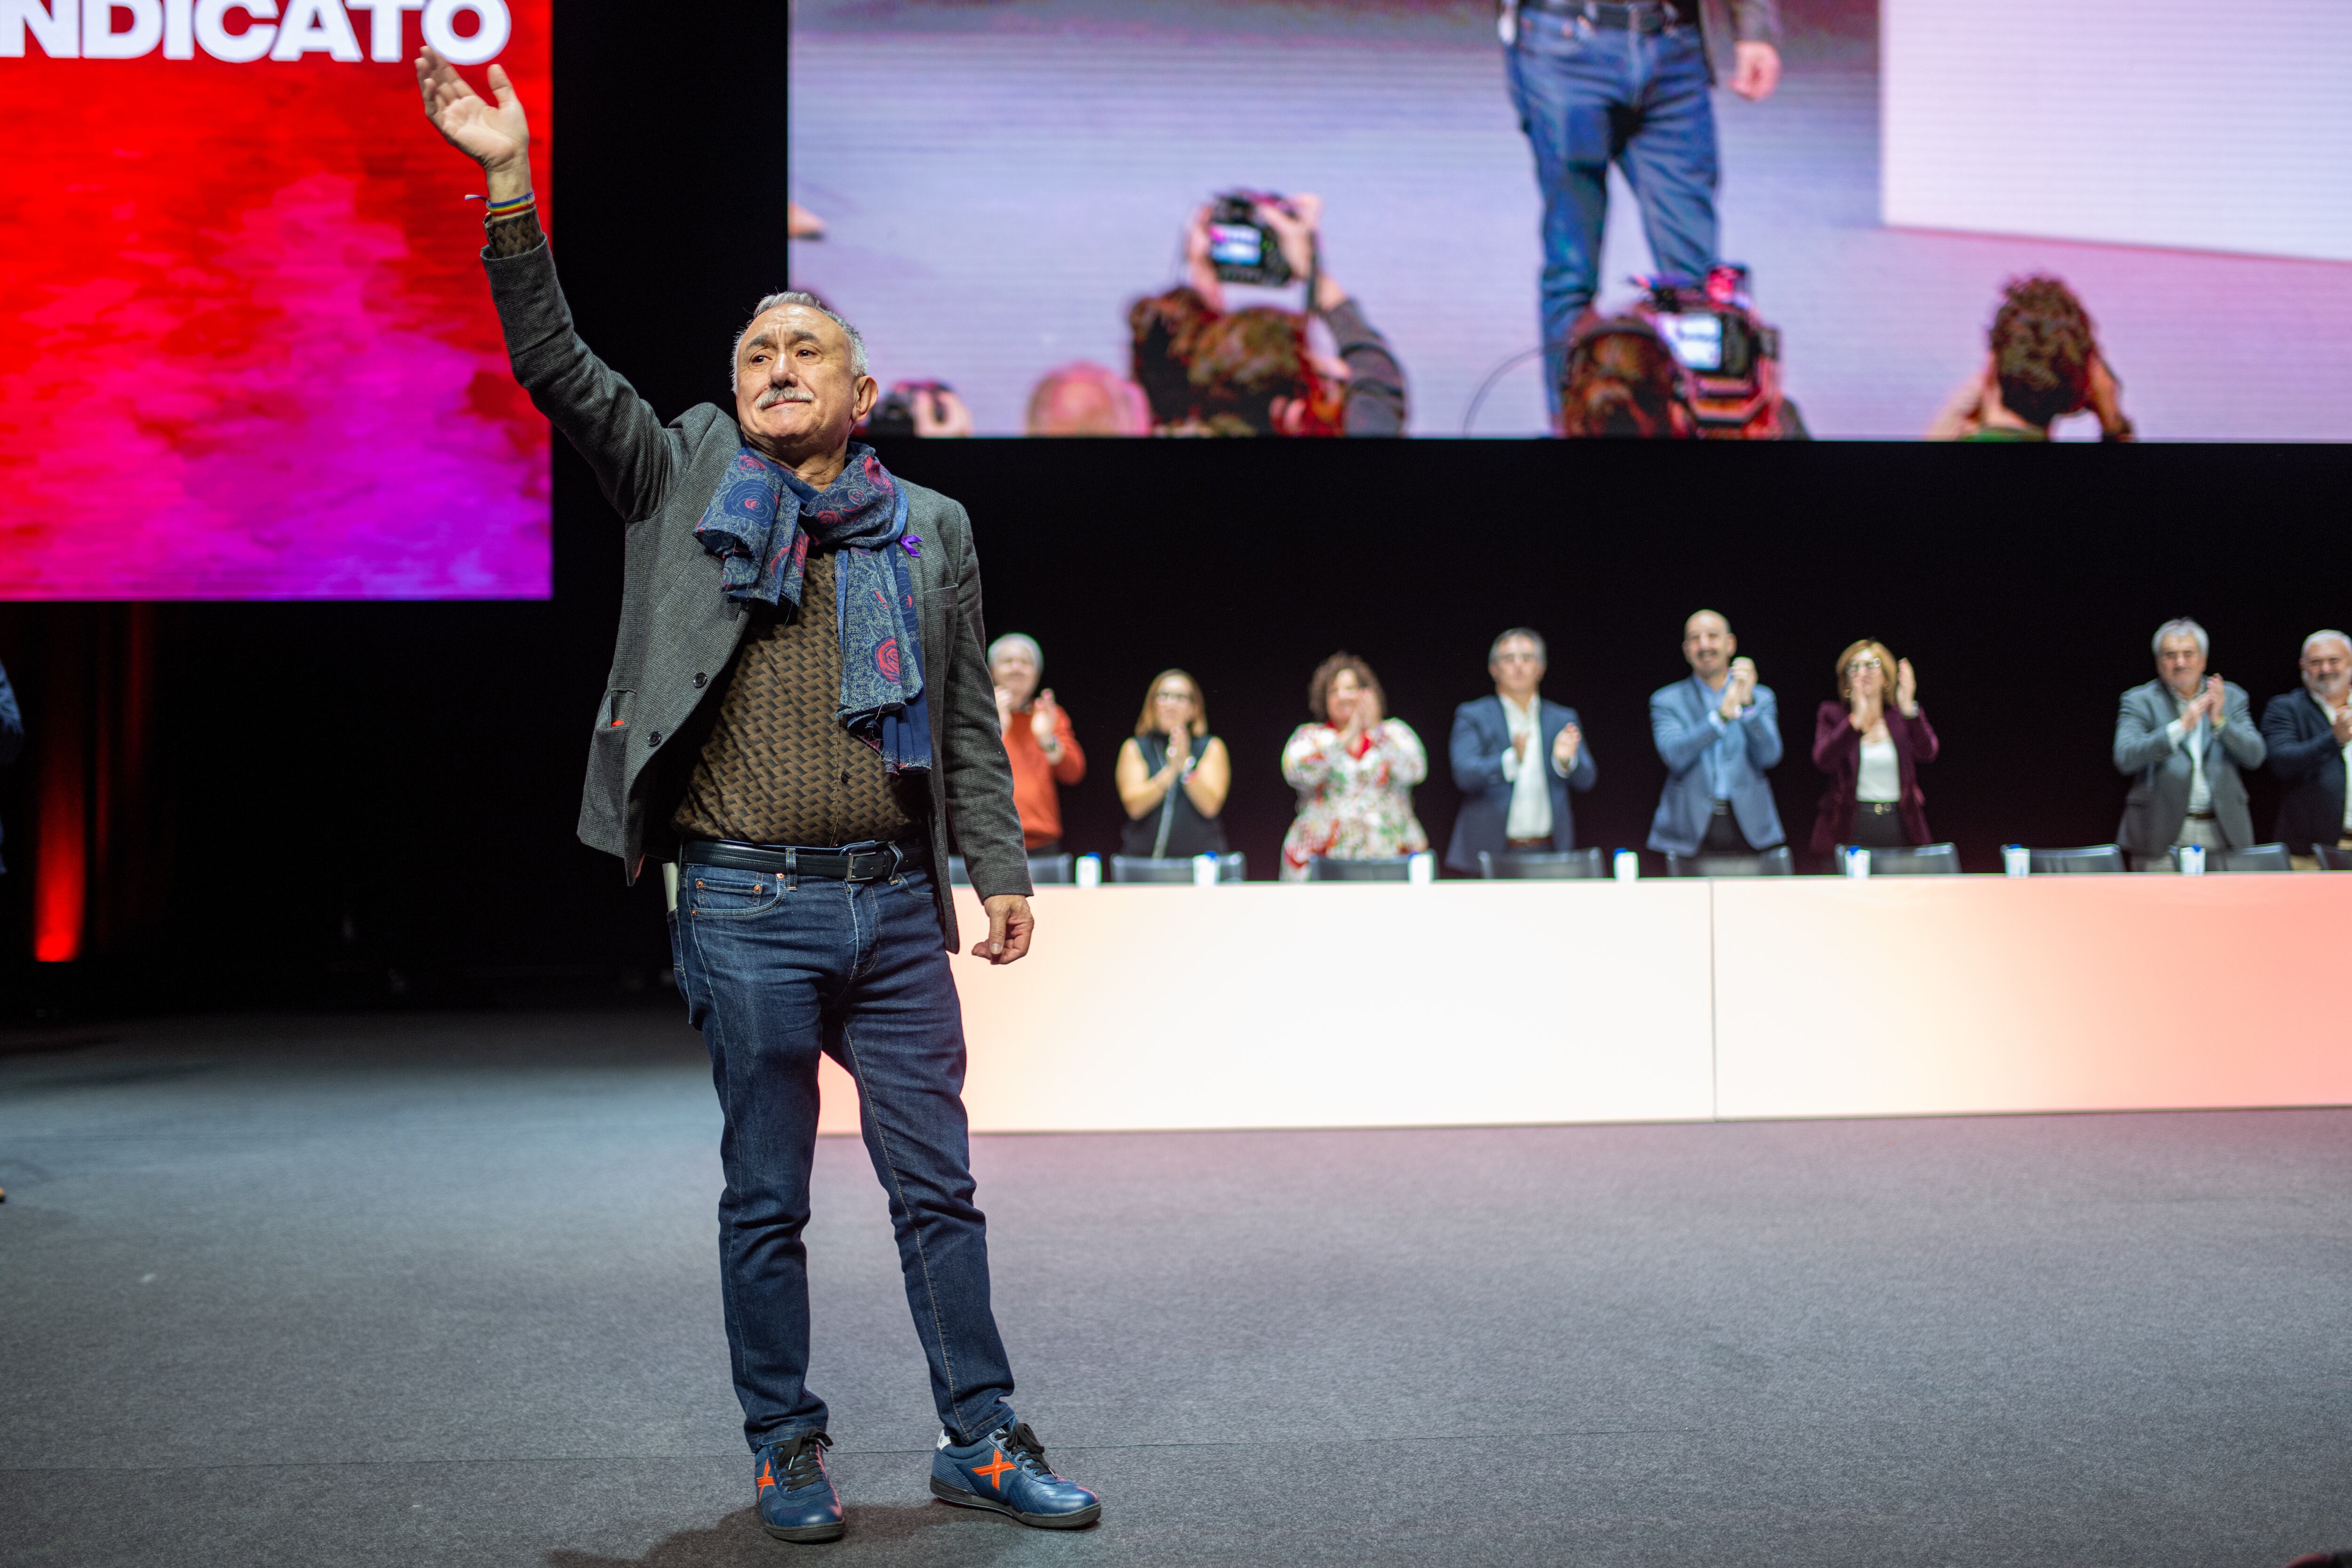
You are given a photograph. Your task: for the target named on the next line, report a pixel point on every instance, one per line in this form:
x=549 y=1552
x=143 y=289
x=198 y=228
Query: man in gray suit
x=2181 y=739
x=797 y=709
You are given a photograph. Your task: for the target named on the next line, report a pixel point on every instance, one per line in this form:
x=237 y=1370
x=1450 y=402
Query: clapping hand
x=1041 y=715
x=1003 y=711
x=1740 y=689
x=1519 y=745
x=494 y=136
x=1907 y=688
x=2342 y=725
x=1180 y=750
x=2216 y=699
x=1564 y=745
x=1364 y=717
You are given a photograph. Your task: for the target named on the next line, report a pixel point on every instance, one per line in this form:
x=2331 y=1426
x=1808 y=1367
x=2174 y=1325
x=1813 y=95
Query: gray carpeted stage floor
x=440 y=1289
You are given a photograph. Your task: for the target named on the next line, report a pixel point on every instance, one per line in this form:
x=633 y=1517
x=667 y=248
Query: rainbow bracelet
x=514 y=207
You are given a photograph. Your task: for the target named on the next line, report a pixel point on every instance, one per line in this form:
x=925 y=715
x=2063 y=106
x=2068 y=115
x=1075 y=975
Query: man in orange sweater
x=1038 y=740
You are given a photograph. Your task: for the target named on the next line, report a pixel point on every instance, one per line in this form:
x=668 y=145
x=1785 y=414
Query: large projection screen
x=2180 y=170
x=245 y=347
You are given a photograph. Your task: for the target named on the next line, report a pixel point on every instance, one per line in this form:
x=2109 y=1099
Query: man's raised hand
x=495 y=135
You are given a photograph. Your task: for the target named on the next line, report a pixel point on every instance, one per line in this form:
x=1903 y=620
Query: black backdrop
x=357 y=801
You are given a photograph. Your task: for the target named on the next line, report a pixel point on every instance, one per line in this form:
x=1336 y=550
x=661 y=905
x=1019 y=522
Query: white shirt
x=2201 y=793
x=1880 y=775
x=2331 y=714
x=1530 y=812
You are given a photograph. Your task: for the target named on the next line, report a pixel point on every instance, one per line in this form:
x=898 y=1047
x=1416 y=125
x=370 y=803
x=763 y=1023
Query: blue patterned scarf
x=760 y=522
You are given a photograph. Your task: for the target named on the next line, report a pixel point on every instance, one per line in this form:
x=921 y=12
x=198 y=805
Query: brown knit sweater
x=778 y=767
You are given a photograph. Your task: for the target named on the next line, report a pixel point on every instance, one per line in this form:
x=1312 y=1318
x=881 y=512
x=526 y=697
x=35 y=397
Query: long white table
x=1477 y=1003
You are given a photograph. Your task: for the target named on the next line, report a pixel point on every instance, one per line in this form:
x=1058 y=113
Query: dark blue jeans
x=1589 y=97
x=772 y=974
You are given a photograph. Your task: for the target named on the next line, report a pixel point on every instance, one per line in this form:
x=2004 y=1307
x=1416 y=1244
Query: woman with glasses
x=1870 y=743
x=1173 y=775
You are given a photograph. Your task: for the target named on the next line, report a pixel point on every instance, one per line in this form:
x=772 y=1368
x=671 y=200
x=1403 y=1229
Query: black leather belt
x=792 y=860
x=1641 y=16
x=1876 y=808
x=2200 y=817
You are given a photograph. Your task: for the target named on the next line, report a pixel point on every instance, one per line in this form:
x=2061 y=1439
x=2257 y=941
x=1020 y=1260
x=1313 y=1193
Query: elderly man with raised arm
x=2307 y=734
x=1718 y=732
x=797 y=708
x=2181 y=739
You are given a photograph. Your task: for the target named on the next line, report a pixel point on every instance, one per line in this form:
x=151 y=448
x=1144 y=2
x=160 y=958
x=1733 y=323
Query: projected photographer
x=1254 y=372
x=1597 y=84
x=2043 y=365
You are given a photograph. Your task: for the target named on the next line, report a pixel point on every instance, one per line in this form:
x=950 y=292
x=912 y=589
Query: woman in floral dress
x=1354 y=770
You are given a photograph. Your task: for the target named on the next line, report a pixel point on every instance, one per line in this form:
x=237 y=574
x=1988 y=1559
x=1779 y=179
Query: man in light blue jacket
x=1716 y=732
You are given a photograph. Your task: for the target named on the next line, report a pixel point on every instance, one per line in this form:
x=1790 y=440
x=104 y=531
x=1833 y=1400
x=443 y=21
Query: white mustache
x=776 y=394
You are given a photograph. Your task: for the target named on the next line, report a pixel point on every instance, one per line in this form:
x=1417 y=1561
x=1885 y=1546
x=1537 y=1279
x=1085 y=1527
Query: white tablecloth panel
x=1476 y=1002
x=1339 y=1005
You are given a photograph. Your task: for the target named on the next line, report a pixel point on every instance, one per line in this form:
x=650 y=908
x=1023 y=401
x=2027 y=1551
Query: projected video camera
x=1243 y=249
x=894 y=411
x=1731 y=357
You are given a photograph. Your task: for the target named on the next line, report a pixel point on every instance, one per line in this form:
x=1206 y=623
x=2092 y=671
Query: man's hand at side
x=1010 y=924
x=1755 y=69
x=494 y=136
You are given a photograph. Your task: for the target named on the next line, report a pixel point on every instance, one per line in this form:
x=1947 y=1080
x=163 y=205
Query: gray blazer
x=678 y=629
x=2162 y=772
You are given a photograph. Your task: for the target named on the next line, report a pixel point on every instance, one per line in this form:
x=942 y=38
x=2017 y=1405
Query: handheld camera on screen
x=894 y=411
x=1731 y=357
x=1243 y=249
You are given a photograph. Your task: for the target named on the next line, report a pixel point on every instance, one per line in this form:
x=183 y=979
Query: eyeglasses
x=1183 y=697
x=1858 y=666
x=1516 y=658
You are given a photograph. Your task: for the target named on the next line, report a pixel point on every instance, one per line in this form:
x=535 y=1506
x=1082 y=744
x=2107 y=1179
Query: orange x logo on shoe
x=994 y=1470
x=767 y=1475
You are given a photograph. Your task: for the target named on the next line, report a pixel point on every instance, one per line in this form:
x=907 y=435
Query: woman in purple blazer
x=1872 y=749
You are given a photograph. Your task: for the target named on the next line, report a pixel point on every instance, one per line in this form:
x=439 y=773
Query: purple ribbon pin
x=911 y=545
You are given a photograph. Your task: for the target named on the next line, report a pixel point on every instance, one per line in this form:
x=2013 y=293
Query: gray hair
x=800 y=296
x=1494 y=650
x=1021 y=640
x=2327 y=635
x=2181 y=627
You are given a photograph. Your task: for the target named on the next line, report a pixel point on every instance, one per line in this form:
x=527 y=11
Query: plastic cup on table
x=1089 y=869
x=2192 y=860
x=1204 y=870
x=1421 y=868
x=1627 y=865
x=2016 y=859
x=1857 y=860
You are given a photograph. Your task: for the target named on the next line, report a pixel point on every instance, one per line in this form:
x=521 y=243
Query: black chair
x=1543 y=866
x=1920 y=860
x=1041 y=869
x=1376 y=868
x=2331 y=859
x=1774 y=862
x=2089 y=857
x=1144 y=870
x=2255 y=857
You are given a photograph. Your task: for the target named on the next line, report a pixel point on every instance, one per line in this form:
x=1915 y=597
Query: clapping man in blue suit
x=1716 y=732
x=1516 y=757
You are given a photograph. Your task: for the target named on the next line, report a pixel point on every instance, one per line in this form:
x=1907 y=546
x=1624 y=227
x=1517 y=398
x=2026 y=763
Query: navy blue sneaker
x=797 y=1501
x=1006 y=1471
